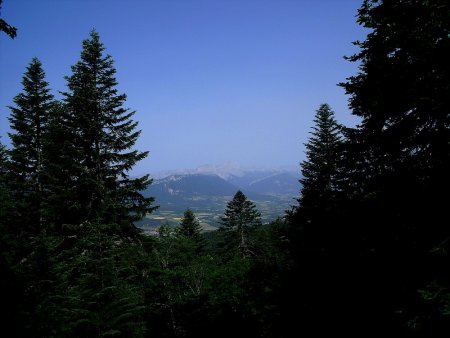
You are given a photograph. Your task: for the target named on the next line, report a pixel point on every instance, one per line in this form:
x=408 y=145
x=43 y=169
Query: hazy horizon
x=211 y=81
x=228 y=167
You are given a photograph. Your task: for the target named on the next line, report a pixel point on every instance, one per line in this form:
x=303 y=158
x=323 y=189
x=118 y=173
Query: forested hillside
x=363 y=252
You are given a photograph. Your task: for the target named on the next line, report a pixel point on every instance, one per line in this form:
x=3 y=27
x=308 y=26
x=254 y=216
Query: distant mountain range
x=224 y=180
x=227 y=170
x=267 y=182
x=207 y=189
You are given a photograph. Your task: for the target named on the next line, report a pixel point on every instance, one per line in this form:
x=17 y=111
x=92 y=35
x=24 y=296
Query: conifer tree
x=401 y=144
x=29 y=121
x=191 y=228
x=62 y=170
x=401 y=96
x=103 y=137
x=320 y=167
x=401 y=154
x=23 y=191
x=189 y=225
x=312 y=222
x=240 y=219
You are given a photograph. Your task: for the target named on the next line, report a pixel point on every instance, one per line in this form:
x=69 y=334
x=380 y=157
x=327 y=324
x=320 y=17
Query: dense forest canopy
x=365 y=251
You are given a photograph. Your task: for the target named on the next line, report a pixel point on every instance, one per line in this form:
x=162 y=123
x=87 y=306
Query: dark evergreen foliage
x=61 y=176
x=103 y=134
x=319 y=171
x=29 y=121
x=365 y=253
x=7 y=28
x=380 y=236
x=402 y=149
x=96 y=289
x=401 y=97
x=59 y=261
x=192 y=230
x=8 y=248
x=3 y=173
x=240 y=219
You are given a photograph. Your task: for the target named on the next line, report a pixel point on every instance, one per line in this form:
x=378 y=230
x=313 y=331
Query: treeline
x=364 y=252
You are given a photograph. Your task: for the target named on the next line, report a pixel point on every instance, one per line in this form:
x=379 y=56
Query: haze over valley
x=208 y=188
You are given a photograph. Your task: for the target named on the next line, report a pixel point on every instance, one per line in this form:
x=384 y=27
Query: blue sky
x=211 y=81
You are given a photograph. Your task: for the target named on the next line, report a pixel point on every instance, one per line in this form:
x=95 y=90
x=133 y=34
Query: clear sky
x=211 y=81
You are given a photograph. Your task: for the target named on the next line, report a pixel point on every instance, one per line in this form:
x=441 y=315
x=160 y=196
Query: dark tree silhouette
x=5 y=27
x=240 y=219
x=320 y=167
x=191 y=228
x=103 y=135
x=29 y=121
x=398 y=158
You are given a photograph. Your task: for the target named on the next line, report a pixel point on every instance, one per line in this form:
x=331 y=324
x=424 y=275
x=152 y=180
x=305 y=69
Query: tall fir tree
x=29 y=121
x=313 y=219
x=319 y=170
x=401 y=96
x=240 y=220
x=24 y=185
x=103 y=136
x=401 y=154
x=190 y=228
